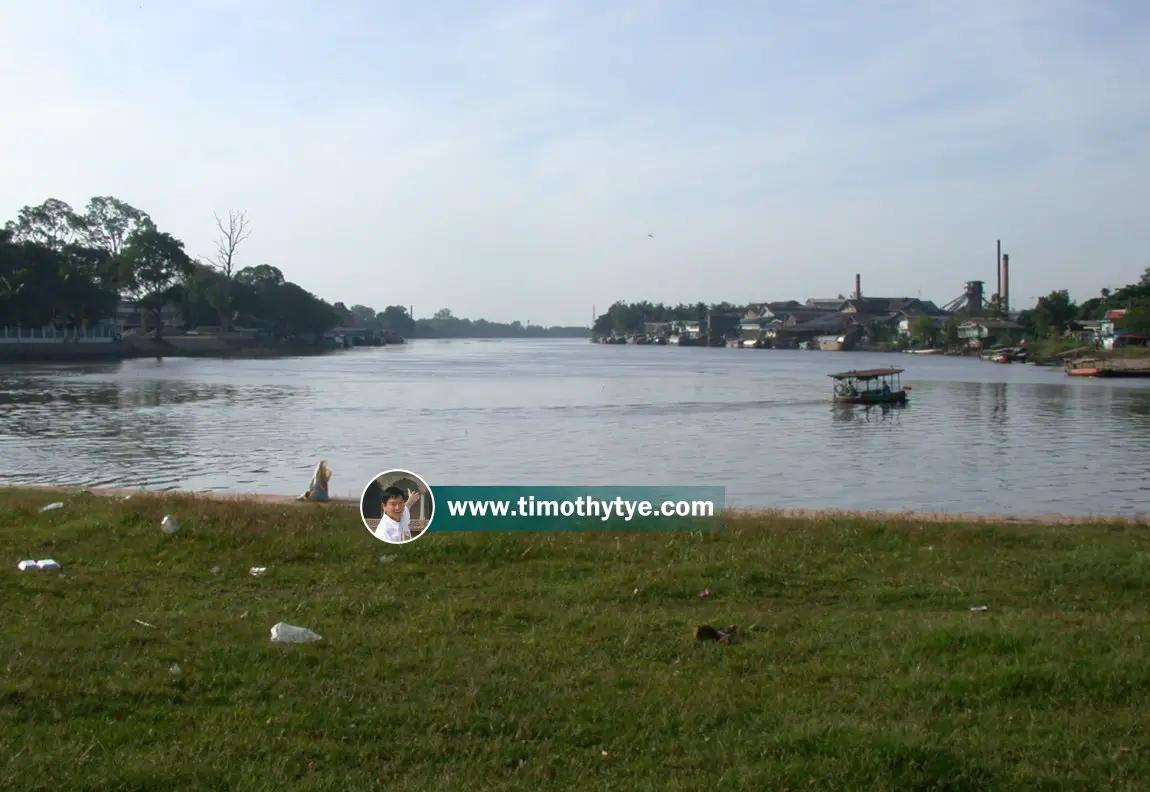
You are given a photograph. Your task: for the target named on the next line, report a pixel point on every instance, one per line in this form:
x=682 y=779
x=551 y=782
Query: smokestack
x=1005 y=283
x=998 y=263
x=858 y=286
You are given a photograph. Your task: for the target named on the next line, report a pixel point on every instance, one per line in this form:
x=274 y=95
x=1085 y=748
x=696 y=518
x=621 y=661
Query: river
x=976 y=437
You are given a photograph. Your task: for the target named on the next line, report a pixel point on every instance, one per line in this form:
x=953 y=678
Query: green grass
x=1053 y=346
x=1131 y=352
x=567 y=662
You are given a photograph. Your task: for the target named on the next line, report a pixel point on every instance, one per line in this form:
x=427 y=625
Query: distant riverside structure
x=840 y=323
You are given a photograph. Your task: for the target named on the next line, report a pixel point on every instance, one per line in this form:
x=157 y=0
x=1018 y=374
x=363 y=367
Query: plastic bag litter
x=289 y=633
x=979 y=609
x=169 y=524
x=43 y=565
x=257 y=571
x=53 y=506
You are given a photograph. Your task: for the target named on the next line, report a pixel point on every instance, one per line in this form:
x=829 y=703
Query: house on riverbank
x=982 y=333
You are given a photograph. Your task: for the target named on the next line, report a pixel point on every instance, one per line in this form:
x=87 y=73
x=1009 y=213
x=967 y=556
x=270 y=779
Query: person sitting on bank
x=317 y=487
x=395 y=523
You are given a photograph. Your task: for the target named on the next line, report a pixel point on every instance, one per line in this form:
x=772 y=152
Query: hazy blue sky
x=510 y=159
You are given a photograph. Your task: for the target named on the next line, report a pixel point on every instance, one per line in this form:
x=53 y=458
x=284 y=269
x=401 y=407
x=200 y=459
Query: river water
x=976 y=437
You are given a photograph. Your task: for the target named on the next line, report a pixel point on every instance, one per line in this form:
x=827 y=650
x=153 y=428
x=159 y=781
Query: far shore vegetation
x=71 y=269
x=878 y=655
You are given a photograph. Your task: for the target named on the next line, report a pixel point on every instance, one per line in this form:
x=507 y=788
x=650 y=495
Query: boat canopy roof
x=866 y=374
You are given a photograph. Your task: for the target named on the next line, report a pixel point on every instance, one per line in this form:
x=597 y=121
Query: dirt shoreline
x=785 y=514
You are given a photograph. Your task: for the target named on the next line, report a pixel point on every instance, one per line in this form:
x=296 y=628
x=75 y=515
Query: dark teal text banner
x=638 y=509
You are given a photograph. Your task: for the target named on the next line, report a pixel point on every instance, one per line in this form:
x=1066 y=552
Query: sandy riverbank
x=784 y=514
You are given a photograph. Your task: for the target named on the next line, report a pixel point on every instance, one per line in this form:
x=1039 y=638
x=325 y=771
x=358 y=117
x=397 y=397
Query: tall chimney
x=1005 y=283
x=858 y=286
x=998 y=263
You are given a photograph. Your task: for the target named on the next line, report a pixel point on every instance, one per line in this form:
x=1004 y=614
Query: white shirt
x=391 y=531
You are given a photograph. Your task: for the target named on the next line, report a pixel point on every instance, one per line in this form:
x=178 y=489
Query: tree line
x=1056 y=313
x=624 y=318
x=444 y=324
x=70 y=269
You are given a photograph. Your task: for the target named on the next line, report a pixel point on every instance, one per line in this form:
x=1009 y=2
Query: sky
x=536 y=160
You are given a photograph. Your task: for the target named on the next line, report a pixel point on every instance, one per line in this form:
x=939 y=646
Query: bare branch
x=233 y=231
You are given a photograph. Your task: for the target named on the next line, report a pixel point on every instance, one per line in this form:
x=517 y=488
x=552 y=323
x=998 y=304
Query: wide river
x=976 y=437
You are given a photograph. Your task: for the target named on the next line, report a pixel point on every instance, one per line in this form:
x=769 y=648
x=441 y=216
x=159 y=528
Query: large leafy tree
x=152 y=266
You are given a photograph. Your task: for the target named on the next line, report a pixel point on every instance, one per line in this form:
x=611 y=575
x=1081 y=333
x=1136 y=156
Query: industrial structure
x=974 y=299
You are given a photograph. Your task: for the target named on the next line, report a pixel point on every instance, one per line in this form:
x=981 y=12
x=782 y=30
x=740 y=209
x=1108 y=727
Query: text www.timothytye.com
x=580 y=507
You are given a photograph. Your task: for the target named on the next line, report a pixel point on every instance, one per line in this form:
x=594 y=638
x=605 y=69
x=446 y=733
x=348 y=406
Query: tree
x=293 y=311
x=924 y=330
x=396 y=319
x=152 y=265
x=29 y=282
x=1135 y=320
x=208 y=297
x=233 y=232
x=52 y=224
x=950 y=331
x=1095 y=307
x=877 y=331
x=88 y=290
x=1053 y=313
x=107 y=223
x=260 y=276
x=363 y=316
x=45 y=285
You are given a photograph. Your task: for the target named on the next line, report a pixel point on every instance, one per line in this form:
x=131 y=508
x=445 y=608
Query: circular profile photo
x=397 y=506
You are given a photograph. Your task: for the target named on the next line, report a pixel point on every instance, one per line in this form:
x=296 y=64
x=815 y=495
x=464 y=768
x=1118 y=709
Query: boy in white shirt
x=394 y=524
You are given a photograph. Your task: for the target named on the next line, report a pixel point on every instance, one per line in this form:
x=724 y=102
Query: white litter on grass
x=289 y=633
x=175 y=669
x=43 y=565
x=979 y=609
x=53 y=506
x=144 y=623
x=169 y=524
x=257 y=571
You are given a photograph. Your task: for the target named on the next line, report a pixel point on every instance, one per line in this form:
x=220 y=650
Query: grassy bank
x=566 y=661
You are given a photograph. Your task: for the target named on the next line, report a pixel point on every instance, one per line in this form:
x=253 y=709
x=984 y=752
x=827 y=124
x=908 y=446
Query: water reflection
x=998 y=402
x=114 y=432
x=974 y=437
x=137 y=395
x=850 y=413
x=1133 y=406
